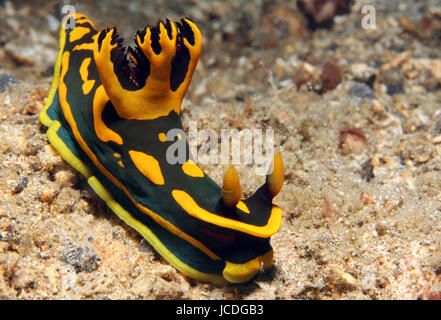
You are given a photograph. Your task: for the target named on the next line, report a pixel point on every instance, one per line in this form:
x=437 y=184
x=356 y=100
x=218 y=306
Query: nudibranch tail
x=110 y=112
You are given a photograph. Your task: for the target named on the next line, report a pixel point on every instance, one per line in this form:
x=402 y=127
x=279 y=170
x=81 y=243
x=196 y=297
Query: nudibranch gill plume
x=108 y=113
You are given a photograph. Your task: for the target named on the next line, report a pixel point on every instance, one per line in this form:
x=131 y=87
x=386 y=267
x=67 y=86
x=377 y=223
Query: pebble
x=394 y=88
x=321 y=13
x=436 y=140
x=362 y=72
x=7 y=80
x=367 y=169
x=345 y=277
x=431 y=65
x=329 y=209
x=366 y=199
x=65 y=178
x=21 y=184
x=396 y=61
x=331 y=76
x=47 y=197
x=144 y=246
x=418 y=148
x=81 y=258
x=362 y=91
x=351 y=140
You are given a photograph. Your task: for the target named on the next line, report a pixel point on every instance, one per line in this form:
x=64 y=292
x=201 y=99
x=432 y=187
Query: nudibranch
x=108 y=114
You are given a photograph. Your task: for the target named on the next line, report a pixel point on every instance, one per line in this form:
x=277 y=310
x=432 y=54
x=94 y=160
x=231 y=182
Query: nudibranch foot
x=109 y=112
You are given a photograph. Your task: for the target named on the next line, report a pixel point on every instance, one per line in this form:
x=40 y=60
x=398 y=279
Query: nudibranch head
x=111 y=112
x=151 y=80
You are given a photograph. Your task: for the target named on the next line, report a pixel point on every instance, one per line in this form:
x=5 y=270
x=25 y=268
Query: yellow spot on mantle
x=78 y=33
x=148 y=166
x=84 y=20
x=162 y=137
x=86 y=45
x=84 y=72
x=103 y=132
x=190 y=168
x=242 y=206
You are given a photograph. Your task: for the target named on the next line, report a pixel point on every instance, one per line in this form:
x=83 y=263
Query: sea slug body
x=108 y=114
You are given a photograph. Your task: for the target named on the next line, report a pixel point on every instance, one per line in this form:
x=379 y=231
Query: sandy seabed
x=356 y=114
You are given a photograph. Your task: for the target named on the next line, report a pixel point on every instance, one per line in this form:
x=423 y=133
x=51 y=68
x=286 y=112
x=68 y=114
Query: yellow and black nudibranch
x=108 y=114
